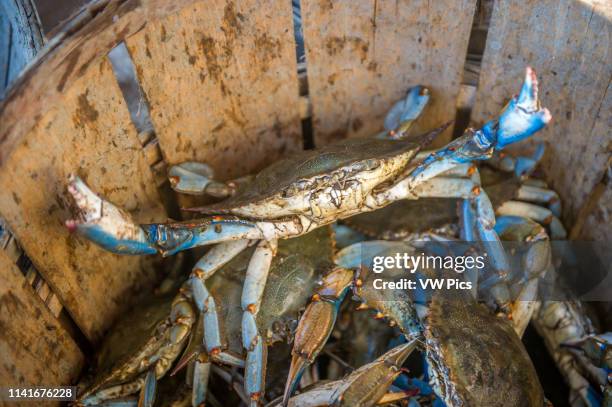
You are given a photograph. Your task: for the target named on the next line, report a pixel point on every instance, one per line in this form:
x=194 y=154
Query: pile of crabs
x=290 y=247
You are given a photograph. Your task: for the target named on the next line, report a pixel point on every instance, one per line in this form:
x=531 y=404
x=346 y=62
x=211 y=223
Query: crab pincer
x=366 y=386
x=114 y=229
x=522 y=117
x=104 y=223
x=316 y=324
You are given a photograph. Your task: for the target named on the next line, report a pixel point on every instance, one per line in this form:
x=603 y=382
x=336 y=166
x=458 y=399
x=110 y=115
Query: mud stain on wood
x=85 y=112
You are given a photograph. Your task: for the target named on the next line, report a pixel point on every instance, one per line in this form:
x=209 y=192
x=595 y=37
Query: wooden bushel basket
x=220 y=80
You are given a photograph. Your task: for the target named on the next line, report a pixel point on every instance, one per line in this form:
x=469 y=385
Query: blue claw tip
x=523 y=116
x=408 y=108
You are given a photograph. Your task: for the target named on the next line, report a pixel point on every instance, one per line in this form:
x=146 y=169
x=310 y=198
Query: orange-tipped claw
x=316 y=324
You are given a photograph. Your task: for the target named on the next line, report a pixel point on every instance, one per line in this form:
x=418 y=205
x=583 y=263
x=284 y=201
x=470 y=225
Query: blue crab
x=152 y=337
x=474 y=357
x=141 y=348
x=309 y=190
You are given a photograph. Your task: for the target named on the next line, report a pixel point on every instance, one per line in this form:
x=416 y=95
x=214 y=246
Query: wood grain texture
x=87 y=132
x=569 y=43
x=35 y=349
x=362 y=56
x=78 y=47
x=221 y=81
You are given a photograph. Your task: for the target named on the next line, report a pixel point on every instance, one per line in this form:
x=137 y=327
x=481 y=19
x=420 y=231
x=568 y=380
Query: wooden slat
x=363 y=55
x=35 y=349
x=569 y=43
x=221 y=81
x=82 y=42
x=87 y=132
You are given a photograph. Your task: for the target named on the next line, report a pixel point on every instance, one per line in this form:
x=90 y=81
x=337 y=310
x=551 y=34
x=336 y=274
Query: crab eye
x=369 y=165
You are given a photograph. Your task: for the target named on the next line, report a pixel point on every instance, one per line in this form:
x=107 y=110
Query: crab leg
x=115 y=230
x=207 y=333
x=201 y=375
x=560 y=322
x=156 y=358
x=317 y=322
x=485 y=233
x=252 y=340
x=531 y=193
x=108 y=226
x=594 y=353
x=442 y=187
x=194 y=178
x=482 y=218
x=537 y=213
x=201 y=369
x=113 y=392
x=216 y=258
x=147 y=393
x=537 y=263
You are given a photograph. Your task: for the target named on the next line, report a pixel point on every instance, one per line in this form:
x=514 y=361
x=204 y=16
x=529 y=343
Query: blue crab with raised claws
x=308 y=190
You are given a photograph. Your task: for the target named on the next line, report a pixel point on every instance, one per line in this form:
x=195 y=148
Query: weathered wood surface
x=20 y=38
x=221 y=81
x=569 y=43
x=35 y=350
x=88 y=131
x=362 y=56
x=79 y=46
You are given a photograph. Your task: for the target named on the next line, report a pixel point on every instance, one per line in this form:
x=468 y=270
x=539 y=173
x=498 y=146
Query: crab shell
x=327 y=183
x=402 y=218
x=294 y=272
x=481 y=361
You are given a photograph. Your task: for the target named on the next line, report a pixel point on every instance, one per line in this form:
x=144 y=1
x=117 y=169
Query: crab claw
x=316 y=324
x=196 y=179
x=104 y=223
x=523 y=116
x=366 y=386
x=407 y=109
x=113 y=229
